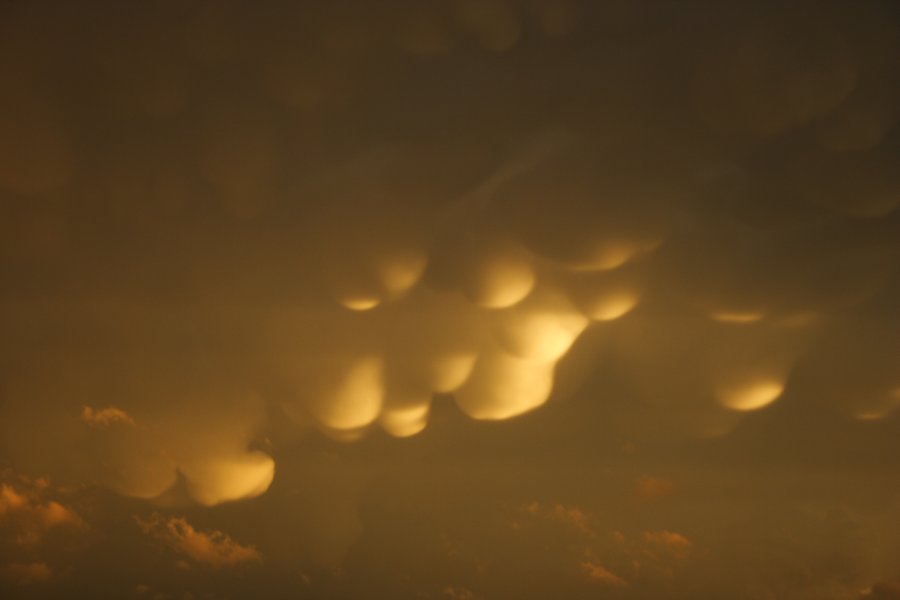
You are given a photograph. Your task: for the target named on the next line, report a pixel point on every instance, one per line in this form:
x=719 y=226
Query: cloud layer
x=521 y=238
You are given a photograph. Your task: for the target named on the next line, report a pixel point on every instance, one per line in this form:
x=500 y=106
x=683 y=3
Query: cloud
x=37 y=531
x=421 y=268
x=667 y=539
x=213 y=548
x=106 y=417
x=607 y=557
x=704 y=224
x=570 y=516
x=573 y=516
x=600 y=574
x=883 y=590
x=26 y=516
x=203 y=433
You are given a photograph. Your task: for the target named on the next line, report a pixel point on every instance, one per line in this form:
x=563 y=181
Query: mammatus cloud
x=181 y=448
x=347 y=277
x=213 y=548
x=225 y=231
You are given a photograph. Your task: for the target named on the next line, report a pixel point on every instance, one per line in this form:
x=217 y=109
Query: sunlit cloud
x=356 y=397
x=335 y=237
x=610 y=306
x=105 y=417
x=542 y=328
x=211 y=548
x=216 y=480
x=674 y=542
x=741 y=318
x=602 y=575
x=405 y=421
x=503 y=386
x=499 y=280
x=27 y=516
x=751 y=396
x=600 y=256
x=354 y=302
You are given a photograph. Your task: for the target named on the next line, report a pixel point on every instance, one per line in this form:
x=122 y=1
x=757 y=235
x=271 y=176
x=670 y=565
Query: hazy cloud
x=26 y=573
x=395 y=283
x=885 y=590
x=653 y=488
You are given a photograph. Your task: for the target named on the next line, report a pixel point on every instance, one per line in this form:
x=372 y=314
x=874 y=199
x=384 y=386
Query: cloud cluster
x=29 y=516
x=214 y=548
x=26 y=516
x=340 y=216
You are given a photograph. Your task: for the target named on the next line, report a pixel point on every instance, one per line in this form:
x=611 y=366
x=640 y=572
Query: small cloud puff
x=600 y=574
x=106 y=417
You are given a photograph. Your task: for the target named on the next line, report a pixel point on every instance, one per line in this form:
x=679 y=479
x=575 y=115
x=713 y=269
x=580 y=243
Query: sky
x=450 y=300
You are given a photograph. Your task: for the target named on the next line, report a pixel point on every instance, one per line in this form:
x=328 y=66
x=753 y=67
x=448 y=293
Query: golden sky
x=450 y=299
